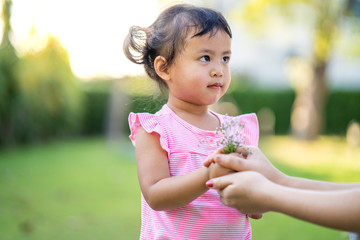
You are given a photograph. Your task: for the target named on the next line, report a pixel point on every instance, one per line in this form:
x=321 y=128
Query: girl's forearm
x=339 y=209
x=173 y=192
x=160 y=190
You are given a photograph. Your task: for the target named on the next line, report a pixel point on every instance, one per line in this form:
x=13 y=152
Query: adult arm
x=252 y=159
x=251 y=192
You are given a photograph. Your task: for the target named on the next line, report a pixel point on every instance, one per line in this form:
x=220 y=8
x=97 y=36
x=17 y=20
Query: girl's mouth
x=215 y=86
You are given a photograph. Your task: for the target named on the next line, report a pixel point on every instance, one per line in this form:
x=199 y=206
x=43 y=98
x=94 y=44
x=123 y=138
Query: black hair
x=167 y=35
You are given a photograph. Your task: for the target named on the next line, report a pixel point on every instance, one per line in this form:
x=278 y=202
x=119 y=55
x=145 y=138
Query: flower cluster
x=232 y=135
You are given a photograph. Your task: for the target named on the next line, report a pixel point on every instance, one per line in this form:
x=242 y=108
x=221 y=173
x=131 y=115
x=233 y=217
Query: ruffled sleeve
x=251 y=128
x=150 y=124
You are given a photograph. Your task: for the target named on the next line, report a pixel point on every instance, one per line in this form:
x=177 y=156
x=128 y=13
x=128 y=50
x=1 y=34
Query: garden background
x=67 y=167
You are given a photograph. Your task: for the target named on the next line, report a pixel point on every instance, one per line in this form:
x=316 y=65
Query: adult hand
x=245 y=191
x=247 y=158
x=210 y=159
x=252 y=193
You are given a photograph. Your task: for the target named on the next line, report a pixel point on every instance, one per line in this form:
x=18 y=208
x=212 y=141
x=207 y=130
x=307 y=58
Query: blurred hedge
x=97 y=97
x=342 y=107
x=95 y=111
x=280 y=102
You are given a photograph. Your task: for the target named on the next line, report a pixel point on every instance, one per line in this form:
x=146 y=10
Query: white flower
x=232 y=133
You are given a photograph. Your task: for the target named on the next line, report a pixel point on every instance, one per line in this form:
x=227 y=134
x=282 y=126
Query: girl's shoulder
x=250 y=123
x=247 y=118
x=150 y=123
x=149 y=119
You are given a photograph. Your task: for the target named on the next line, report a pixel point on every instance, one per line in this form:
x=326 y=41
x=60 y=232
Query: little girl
x=186 y=50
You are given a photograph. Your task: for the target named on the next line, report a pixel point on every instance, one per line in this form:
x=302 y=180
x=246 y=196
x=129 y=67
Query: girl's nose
x=216 y=71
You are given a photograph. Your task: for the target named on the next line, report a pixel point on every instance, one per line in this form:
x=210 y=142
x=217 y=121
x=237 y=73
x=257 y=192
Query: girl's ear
x=161 y=68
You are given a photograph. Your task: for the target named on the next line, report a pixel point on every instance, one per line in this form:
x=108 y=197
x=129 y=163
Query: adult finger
x=244 y=151
x=210 y=158
x=233 y=161
x=220 y=182
x=255 y=215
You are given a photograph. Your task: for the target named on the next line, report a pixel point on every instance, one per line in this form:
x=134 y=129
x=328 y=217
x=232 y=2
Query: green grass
x=69 y=190
x=88 y=189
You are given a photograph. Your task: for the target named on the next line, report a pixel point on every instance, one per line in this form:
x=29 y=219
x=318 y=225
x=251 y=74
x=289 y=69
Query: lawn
x=69 y=190
x=87 y=188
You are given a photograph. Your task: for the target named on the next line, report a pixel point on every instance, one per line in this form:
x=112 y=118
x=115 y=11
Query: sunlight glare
x=92 y=31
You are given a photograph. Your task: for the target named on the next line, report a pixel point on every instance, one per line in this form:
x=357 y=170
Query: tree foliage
x=39 y=95
x=50 y=96
x=8 y=82
x=326 y=19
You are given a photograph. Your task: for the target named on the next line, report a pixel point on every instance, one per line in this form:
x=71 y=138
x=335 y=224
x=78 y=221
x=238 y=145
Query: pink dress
x=187 y=148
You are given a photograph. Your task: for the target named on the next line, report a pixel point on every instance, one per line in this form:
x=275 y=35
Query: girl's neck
x=197 y=115
x=188 y=109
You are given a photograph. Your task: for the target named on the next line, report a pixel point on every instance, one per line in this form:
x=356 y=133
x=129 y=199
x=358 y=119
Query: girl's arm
x=250 y=192
x=159 y=189
x=257 y=161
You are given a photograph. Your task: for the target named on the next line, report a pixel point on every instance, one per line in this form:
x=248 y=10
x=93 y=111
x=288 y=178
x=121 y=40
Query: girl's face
x=200 y=74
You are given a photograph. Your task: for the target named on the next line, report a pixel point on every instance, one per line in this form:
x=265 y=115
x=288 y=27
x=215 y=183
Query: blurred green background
x=67 y=167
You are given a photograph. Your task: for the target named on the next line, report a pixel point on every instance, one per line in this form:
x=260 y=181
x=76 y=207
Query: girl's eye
x=226 y=59
x=205 y=59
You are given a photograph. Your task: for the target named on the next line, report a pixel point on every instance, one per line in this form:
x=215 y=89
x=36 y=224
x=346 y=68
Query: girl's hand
x=216 y=170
